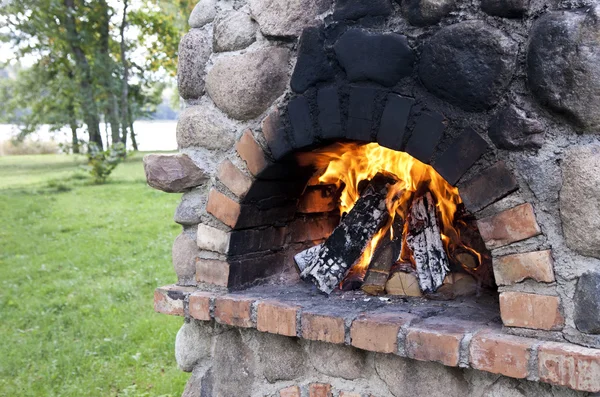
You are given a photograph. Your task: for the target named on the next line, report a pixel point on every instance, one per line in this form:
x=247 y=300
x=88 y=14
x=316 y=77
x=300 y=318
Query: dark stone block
x=288 y=189
x=425 y=136
x=330 y=119
x=460 y=155
x=276 y=136
x=383 y=58
x=426 y=12
x=393 y=121
x=256 y=240
x=587 y=303
x=360 y=113
x=299 y=115
x=252 y=216
x=512 y=129
x=491 y=185
x=312 y=65
x=469 y=64
x=247 y=271
x=505 y=8
x=356 y=9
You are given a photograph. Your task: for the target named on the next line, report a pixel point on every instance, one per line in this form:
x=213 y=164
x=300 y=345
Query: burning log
x=384 y=257
x=425 y=240
x=306 y=257
x=347 y=242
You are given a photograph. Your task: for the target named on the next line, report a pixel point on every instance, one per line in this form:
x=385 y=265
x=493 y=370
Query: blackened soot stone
x=312 y=65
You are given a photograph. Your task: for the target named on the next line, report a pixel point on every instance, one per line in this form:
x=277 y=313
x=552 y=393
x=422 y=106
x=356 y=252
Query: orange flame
x=350 y=163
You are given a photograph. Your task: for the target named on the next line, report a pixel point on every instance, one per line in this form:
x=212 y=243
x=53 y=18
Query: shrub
x=102 y=163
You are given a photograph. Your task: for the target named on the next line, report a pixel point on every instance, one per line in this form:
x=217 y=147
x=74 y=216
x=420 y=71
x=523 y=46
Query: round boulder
x=192 y=344
x=563 y=65
x=233 y=30
x=469 y=64
x=580 y=199
x=287 y=18
x=244 y=86
x=204 y=12
x=426 y=12
x=204 y=126
x=185 y=254
x=194 y=50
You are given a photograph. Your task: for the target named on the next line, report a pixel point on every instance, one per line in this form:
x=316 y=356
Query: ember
x=421 y=225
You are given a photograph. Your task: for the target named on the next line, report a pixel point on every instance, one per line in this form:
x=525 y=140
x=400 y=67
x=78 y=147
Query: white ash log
x=348 y=241
x=306 y=257
x=425 y=240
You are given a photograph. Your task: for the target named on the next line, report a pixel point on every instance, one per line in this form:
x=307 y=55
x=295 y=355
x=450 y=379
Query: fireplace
x=378 y=193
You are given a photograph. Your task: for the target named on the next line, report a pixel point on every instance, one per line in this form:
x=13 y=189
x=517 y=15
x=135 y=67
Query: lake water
x=150 y=135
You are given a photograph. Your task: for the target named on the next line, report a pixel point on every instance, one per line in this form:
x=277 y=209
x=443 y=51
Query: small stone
x=426 y=12
x=513 y=129
x=287 y=18
x=579 y=208
x=356 y=9
x=383 y=58
x=189 y=210
x=194 y=50
x=192 y=344
x=281 y=358
x=469 y=64
x=233 y=30
x=338 y=361
x=204 y=12
x=563 y=65
x=312 y=65
x=204 y=126
x=505 y=8
x=173 y=173
x=233 y=365
x=587 y=303
x=199 y=383
x=185 y=253
x=244 y=86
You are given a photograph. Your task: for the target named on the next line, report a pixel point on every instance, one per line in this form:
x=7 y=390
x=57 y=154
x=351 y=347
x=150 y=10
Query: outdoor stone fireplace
x=498 y=99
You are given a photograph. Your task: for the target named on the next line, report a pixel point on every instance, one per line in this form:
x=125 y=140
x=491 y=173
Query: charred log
x=425 y=241
x=306 y=257
x=347 y=242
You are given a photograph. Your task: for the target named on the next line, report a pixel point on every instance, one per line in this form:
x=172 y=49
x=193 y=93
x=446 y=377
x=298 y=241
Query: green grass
x=78 y=266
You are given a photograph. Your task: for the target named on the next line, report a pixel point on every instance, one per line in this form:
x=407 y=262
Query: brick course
x=509 y=226
x=323 y=327
x=519 y=309
x=435 y=343
x=200 y=305
x=511 y=269
x=378 y=332
x=277 y=318
x=249 y=150
x=235 y=180
x=501 y=354
x=236 y=311
x=569 y=365
x=223 y=208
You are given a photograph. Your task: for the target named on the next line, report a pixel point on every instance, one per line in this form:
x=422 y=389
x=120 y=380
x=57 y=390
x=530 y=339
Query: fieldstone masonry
x=501 y=97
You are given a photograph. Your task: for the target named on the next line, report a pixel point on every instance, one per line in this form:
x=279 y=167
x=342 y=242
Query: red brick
x=223 y=208
x=519 y=309
x=251 y=153
x=236 y=311
x=323 y=327
x=509 y=226
x=378 y=332
x=200 y=305
x=570 y=365
x=312 y=229
x=235 y=180
x=439 y=342
x=212 y=271
x=292 y=391
x=501 y=354
x=511 y=269
x=317 y=199
x=169 y=299
x=277 y=318
x=319 y=390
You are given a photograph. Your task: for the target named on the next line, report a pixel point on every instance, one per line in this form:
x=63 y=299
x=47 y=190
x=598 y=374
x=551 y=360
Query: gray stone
x=233 y=366
x=409 y=378
x=244 y=86
x=172 y=173
x=204 y=12
x=189 y=210
x=505 y=8
x=184 y=253
x=426 y=12
x=513 y=129
x=192 y=344
x=282 y=358
x=199 y=384
x=287 y=17
x=204 y=126
x=233 y=30
x=194 y=50
x=579 y=203
x=337 y=360
x=563 y=65
x=587 y=303
x=469 y=64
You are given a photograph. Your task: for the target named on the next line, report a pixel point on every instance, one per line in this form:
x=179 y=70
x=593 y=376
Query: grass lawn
x=78 y=266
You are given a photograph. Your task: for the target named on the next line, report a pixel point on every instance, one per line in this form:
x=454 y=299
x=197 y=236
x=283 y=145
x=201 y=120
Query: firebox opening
x=403 y=229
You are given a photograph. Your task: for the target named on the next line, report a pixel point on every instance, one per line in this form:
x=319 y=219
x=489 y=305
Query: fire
x=348 y=164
